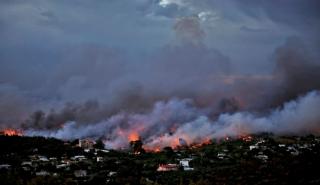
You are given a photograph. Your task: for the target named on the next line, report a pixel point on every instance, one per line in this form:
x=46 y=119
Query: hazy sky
x=54 y=52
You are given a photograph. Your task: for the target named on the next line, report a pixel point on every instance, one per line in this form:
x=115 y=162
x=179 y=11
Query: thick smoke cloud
x=175 y=120
x=177 y=70
x=115 y=64
x=282 y=86
x=297 y=69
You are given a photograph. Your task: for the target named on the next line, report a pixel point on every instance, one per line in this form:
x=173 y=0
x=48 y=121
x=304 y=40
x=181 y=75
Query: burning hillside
x=11 y=132
x=159 y=76
x=183 y=92
x=179 y=123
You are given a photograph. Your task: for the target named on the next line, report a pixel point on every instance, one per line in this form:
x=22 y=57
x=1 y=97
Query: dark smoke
x=297 y=70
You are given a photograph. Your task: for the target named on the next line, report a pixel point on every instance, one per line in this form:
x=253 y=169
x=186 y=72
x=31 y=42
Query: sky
x=85 y=61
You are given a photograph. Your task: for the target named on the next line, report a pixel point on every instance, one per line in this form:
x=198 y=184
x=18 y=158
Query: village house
x=221 y=155
x=80 y=173
x=262 y=157
x=5 y=166
x=86 y=143
x=78 y=158
x=42 y=173
x=99 y=159
x=185 y=164
x=62 y=166
x=167 y=167
x=43 y=159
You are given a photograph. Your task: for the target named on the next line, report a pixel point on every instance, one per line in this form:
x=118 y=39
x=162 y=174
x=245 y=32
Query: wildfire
x=133 y=136
x=246 y=138
x=11 y=132
x=203 y=143
x=177 y=141
x=157 y=150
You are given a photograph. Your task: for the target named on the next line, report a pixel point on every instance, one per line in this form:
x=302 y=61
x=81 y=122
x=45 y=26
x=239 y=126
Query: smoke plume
x=170 y=72
x=169 y=123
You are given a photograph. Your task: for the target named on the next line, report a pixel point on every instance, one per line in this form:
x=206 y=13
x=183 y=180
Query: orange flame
x=11 y=132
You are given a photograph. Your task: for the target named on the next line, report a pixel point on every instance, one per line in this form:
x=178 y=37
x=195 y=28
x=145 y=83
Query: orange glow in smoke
x=11 y=132
x=133 y=136
x=157 y=149
x=178 y=141
x=175 y=143
x=206 y=141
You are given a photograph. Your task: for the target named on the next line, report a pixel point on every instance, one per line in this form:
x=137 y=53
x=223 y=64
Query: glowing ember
x=11 y=132
x=246 y=138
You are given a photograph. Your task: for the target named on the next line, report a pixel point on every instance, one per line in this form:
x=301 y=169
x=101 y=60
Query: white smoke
x=171 y=121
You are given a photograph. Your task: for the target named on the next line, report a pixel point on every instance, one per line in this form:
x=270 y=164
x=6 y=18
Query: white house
x=185 y=164
x=80 y=173
x=42 y=173
x=99 y=159
x=78 y=158
x=5 y=166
